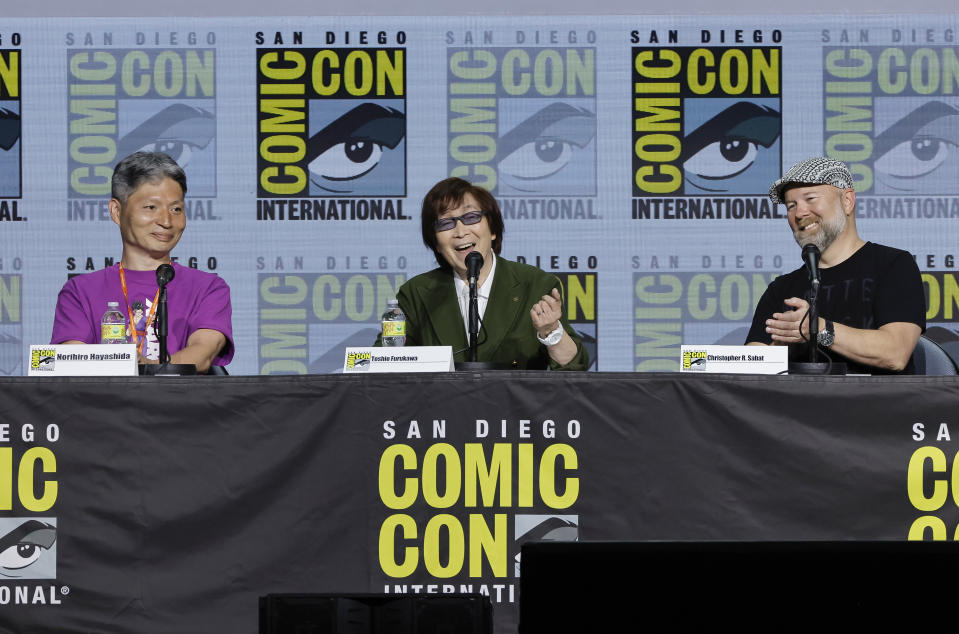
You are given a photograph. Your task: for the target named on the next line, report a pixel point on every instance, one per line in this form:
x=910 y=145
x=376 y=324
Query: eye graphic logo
x=9 y=149
x=555 y=528
x=9 y=129
x=734 y=151
x=918 y=153
x=548 y=151
x=357 y=149
x=9 y=123
x=522 y=121
x=28 y=548
x=892 y=115
x=186 y=133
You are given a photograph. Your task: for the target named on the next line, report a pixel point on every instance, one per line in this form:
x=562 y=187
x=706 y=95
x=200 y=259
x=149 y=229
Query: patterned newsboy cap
x=818 y=170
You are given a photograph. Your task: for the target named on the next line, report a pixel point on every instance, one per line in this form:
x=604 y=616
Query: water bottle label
x=394 y=328
x=112 y=332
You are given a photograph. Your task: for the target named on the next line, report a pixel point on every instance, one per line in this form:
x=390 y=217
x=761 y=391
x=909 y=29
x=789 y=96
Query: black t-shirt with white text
x=877 y=285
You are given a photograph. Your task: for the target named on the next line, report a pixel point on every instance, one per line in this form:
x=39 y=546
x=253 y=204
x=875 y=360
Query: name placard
x=405 y=359
x=735 y=359
x=118 y=359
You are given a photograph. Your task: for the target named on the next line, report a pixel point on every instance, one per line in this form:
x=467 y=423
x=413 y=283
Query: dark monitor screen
x=772 y=586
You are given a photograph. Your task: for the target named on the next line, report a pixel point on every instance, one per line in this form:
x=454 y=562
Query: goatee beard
x=827 y=234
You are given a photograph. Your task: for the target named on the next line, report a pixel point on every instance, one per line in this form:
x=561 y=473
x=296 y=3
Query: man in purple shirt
x=148 y=189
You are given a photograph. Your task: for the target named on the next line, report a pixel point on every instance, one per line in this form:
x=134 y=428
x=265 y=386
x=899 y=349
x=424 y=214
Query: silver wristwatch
x=827 y=335
x=552 y=338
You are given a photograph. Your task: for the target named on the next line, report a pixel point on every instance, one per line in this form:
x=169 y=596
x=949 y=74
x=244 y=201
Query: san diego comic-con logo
x=694 y=360
x=151 y=99
x=358 y=361
x=10 y=147
x=522 y=123
x=455 y=514
x=706 y=122
x=892 y=114
x=331 y=131
x=43 y=360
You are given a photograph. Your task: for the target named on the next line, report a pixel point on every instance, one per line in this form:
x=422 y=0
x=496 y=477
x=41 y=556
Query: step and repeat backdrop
x=631 y=156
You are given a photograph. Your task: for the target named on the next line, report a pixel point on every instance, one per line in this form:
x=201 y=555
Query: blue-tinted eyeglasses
x=469 y=218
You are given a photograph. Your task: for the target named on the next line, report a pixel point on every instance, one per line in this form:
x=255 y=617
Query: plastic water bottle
x=394 y=325
x=113 y=326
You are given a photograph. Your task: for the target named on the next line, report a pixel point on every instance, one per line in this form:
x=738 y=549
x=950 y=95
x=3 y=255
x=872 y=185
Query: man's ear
x=115 y=207
x=848 y=198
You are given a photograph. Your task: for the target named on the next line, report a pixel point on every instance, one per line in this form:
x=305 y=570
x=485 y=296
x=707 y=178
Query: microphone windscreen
x=474 y=262
x=165 y=274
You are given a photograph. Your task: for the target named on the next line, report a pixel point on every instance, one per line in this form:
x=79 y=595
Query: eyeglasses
x=469 y=218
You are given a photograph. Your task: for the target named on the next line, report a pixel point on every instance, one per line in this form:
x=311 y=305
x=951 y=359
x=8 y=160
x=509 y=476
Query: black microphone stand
x=160 y=328
x=813 y=321
x=812 y=366
x=473 y=319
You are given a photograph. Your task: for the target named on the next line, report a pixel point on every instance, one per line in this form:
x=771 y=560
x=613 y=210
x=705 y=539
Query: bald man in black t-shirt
x=871 y=303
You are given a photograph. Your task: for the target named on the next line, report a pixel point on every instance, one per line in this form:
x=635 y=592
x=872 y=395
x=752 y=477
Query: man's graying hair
x=144 y=167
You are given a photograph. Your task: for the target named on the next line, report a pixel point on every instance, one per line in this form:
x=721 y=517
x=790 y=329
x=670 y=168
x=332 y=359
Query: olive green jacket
x=507 y=335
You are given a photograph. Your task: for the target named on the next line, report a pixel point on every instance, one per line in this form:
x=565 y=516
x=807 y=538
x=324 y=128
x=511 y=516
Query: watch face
x=554 y=338
x=825 y=338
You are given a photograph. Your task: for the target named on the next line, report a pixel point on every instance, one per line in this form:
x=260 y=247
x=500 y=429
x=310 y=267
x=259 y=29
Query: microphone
x=810 y=255
x=474 y=262
x=165 y=275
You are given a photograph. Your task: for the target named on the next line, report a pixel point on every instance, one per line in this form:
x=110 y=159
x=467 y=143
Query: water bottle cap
x=392 y=302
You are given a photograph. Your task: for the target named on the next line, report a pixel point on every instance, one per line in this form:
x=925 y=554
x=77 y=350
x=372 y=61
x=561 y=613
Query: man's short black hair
x=144 y=167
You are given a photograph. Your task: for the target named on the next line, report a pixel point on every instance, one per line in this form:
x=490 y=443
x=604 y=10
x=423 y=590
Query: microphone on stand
x=810 y=256
x=165 y=275
x=474 y=263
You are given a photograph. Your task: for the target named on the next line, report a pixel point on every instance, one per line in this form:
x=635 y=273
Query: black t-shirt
x=877 y=285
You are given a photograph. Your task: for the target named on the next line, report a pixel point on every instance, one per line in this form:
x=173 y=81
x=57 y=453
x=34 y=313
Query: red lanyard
x=133 y=327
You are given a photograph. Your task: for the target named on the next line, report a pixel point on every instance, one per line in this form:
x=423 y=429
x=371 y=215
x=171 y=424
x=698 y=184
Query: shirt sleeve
x=72 y=320
x=580 y=362
x=216 y=313
x=899 y=293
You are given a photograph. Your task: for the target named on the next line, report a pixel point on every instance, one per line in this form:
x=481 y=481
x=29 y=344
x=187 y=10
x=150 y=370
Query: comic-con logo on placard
x=11 y=155
x=522 y=123
x=891 y=113
x=331 y=133
x=122 y=101
x=705 y=307
x=43 y=360
x=706 y=133
x=359 y=361
x=307 y=319
x=694 y=360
